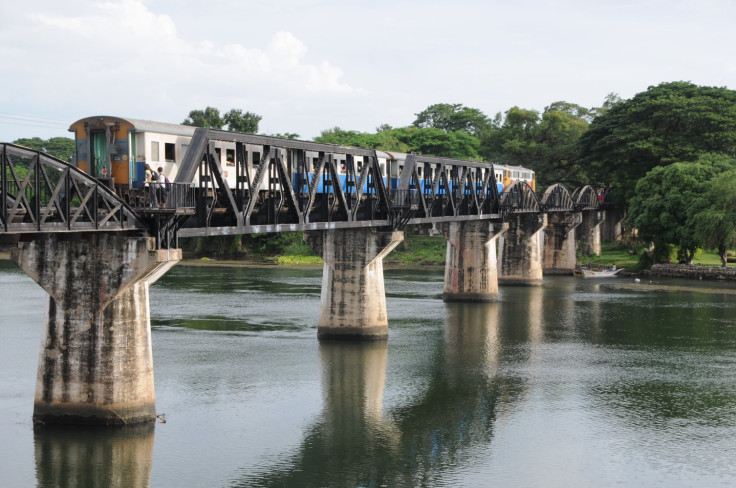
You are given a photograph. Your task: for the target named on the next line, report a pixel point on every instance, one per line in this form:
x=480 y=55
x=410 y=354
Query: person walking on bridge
x=150 y=184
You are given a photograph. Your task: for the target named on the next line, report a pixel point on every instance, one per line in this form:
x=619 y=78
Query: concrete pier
x=520 y=252
x=96 y=363
x=589 y=232
x=471 y=273
x=559 y=243
x=353 y=302
x=612 y=227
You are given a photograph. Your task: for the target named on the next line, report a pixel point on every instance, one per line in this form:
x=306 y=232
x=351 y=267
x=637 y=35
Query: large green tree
x=667 y=200
x=209 y=117
x=452 y=117
x=544 y=142
x=715 y=221
x=668 y=123
x=239 y=121
x=60 y=147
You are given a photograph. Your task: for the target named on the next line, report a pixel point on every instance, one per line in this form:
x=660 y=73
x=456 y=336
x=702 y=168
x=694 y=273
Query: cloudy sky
x=310 y=65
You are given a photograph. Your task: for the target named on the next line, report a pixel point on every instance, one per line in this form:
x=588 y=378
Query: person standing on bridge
x=163 y=183
x=150 y=183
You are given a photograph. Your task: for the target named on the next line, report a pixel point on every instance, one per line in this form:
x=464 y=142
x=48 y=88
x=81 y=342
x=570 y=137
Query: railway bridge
x=96 y=254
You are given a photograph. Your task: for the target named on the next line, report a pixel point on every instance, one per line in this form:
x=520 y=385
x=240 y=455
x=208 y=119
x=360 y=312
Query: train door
x=100 y=164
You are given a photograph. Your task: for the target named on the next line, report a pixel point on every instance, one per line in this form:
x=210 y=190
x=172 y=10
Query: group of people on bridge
x=158 y=186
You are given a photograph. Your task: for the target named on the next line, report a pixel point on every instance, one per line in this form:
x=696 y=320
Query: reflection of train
x=116 y=150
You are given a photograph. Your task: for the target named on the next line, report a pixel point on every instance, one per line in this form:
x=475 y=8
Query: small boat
x=606 y=273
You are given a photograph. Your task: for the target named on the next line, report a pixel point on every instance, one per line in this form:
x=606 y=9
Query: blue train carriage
x=348 y=174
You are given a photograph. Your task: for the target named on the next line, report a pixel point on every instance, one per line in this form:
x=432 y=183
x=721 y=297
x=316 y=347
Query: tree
x=209 y=117
x=239 y=121
x=545 y=143
x=715 y=222
x=667 y=199
x=60 y=147
x=668 y=123
x=452 y=118
x=440 y=143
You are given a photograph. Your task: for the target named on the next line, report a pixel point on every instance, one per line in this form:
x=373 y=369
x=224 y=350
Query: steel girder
x=586 y=198
x=44 y=194
x=298 y=185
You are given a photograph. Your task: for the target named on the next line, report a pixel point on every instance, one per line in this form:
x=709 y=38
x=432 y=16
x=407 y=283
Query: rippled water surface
x=573 y=384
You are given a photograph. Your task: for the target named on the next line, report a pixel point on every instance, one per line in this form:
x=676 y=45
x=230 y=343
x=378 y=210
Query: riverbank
x=691 y=272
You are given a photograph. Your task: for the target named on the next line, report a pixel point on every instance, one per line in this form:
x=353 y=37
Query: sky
x=311 y=65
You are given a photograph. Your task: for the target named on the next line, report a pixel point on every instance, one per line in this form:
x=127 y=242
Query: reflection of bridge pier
x=94 y=457
x=96 y=363
x=353 y=303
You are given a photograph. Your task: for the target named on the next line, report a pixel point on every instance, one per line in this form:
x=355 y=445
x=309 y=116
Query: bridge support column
x=96 y=363
x=521 y=250
x=589 y=232
x=353 y=303
x=470 y=266
x=559 y=242
x=612 y=227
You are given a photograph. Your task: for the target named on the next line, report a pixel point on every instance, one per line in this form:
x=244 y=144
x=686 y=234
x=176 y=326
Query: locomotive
x=115 y=150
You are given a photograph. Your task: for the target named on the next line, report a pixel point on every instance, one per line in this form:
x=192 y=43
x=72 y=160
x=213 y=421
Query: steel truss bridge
x=293 y=187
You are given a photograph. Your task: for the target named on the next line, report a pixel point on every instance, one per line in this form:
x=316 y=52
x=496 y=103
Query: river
x=577 y=383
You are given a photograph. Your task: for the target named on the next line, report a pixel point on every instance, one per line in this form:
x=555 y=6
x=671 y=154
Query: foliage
x=60 y=147
x=235 y=119
x=209 y=117
x=715 y=222
x=452 y=117
x=666 y=200
x=668 y=123
x=239 y=121
x=546 y=143
x=436 y=142
x=285 y=135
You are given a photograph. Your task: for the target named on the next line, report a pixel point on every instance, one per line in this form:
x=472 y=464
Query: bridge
x=96 y=253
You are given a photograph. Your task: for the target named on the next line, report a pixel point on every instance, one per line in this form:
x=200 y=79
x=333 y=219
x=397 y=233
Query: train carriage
x=116 y=150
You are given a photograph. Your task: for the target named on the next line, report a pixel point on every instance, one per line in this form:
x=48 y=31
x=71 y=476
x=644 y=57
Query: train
x=115 y=150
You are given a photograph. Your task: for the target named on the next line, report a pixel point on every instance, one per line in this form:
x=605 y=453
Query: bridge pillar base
x=559 y=243
x=353 y=303
x=471 y=274
x=589 y=232
x=520 y=251
x=96 y=362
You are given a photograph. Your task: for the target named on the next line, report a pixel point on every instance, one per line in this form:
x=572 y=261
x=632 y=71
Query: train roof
x=141 y=125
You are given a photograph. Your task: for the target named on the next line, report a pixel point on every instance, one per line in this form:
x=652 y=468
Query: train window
x=154 y=151
x=169 y=152
x=230 y=157
x=419 y=171
x=256 y=158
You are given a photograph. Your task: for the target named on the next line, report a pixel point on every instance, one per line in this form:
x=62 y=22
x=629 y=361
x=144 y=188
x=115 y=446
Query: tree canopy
x=669 y=201
x=545 y=143
x=452 y=117
x=235 y=119
x=60 y=147
x=668 y=123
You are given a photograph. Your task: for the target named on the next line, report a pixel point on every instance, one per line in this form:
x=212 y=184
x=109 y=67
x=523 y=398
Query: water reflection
x=356 y=443
x=87 y=457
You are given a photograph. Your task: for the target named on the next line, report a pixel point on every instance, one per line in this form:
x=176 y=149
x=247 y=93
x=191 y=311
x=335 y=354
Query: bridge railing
x=170 y=196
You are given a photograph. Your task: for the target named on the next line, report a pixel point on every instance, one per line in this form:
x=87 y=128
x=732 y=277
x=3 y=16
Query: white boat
x=606 y=273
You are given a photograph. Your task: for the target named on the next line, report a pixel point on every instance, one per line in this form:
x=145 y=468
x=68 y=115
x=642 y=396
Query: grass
x=621 y=254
